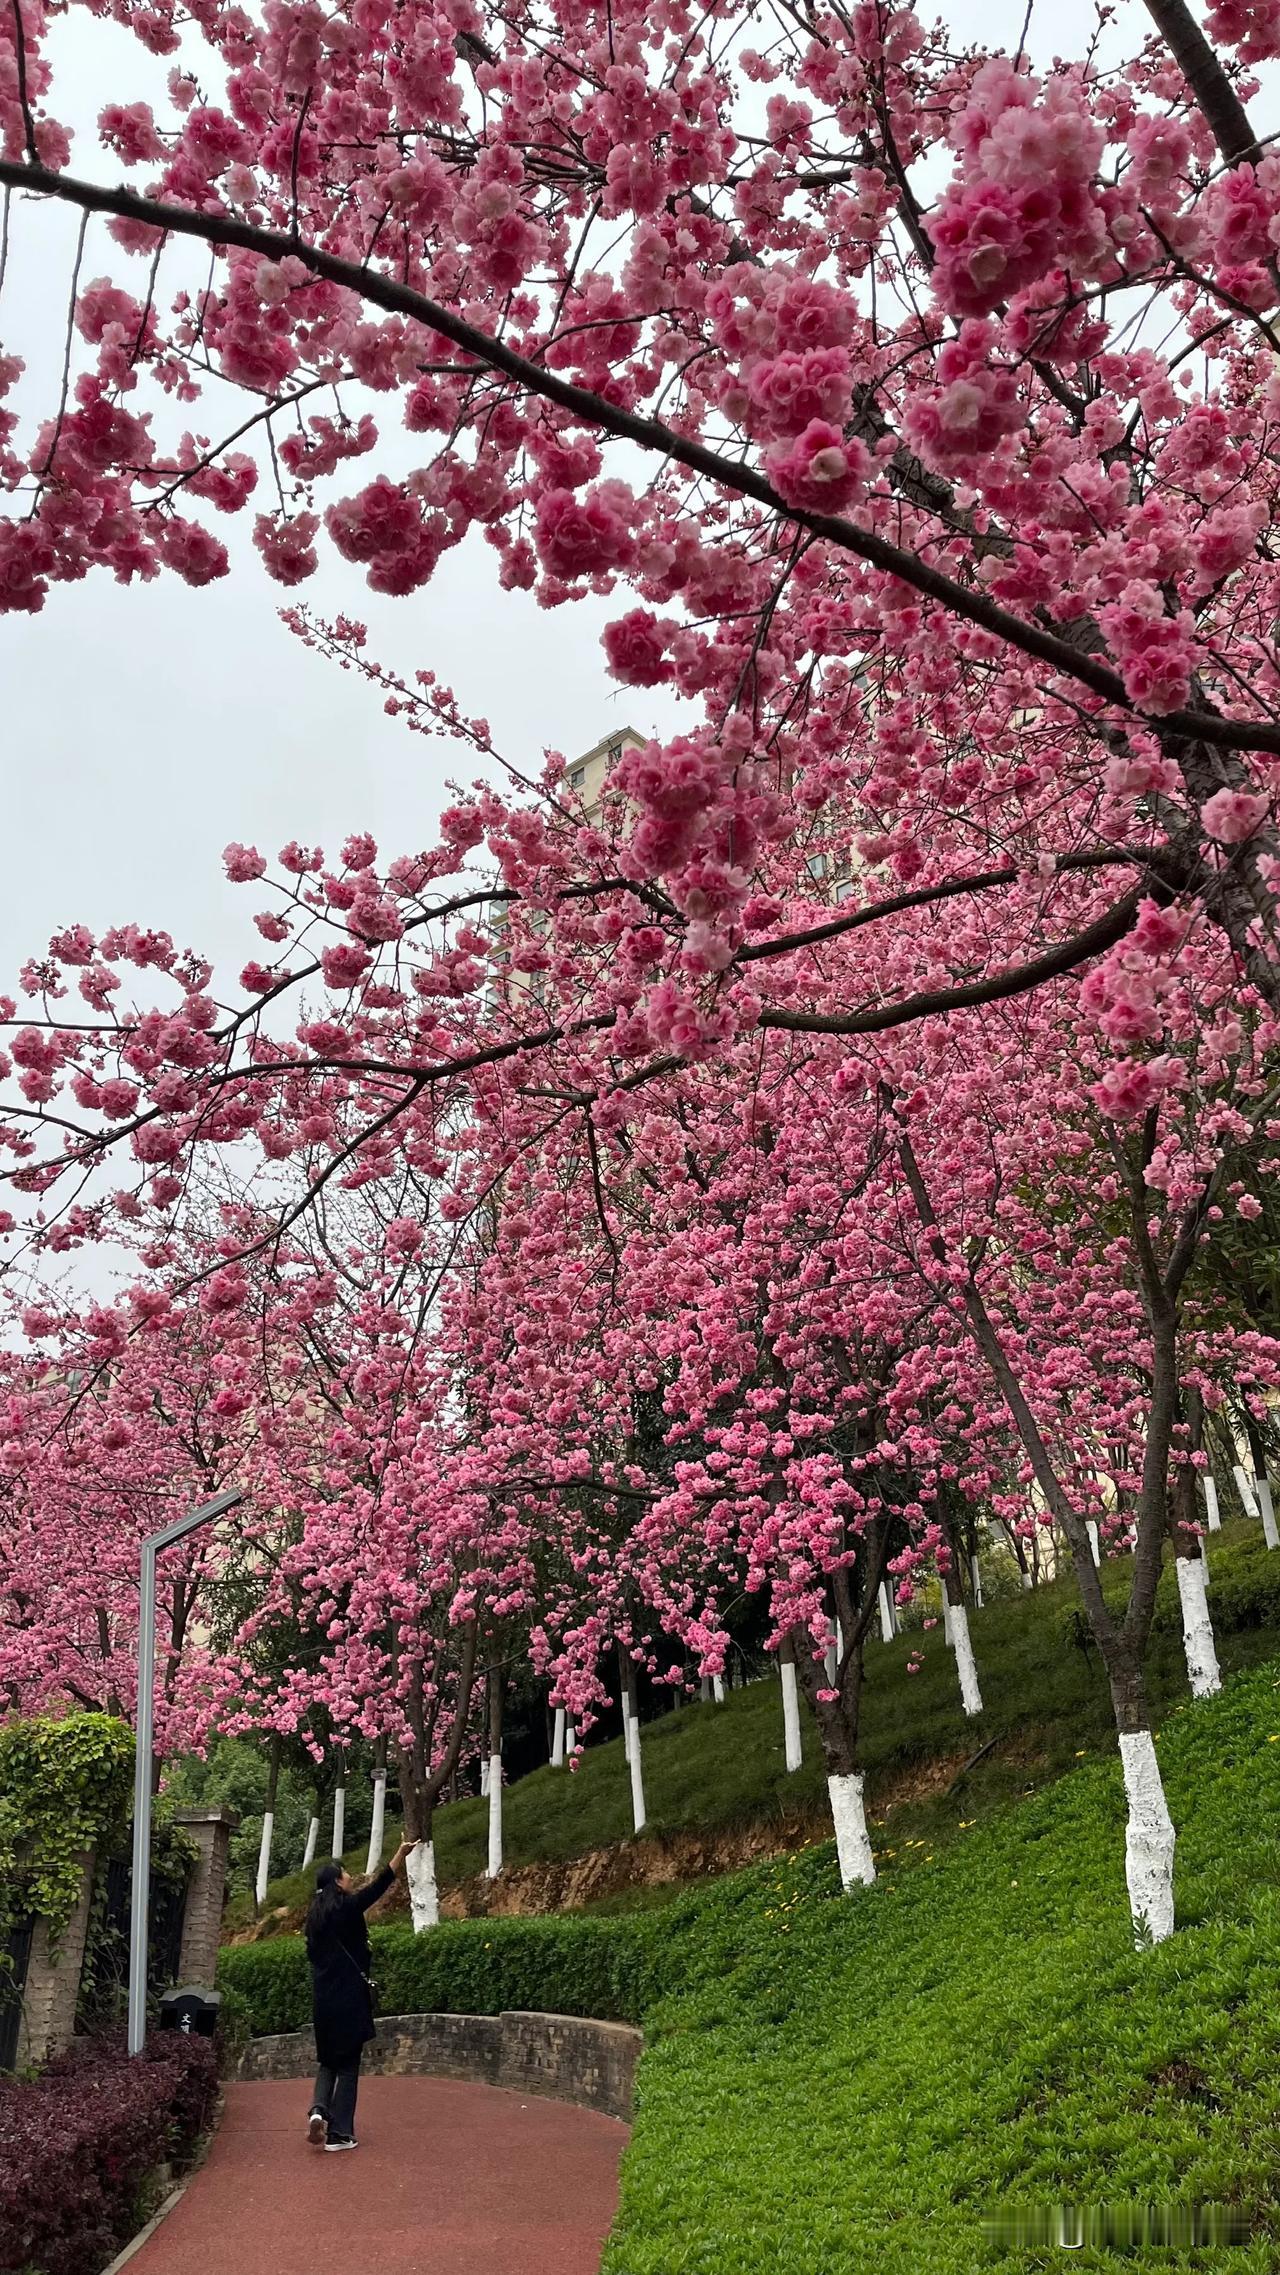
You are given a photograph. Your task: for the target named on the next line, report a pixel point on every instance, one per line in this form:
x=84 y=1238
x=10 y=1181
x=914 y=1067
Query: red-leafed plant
x=78 y=2143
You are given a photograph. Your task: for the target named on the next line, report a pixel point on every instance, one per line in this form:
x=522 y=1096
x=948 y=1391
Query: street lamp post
x=141 y=1890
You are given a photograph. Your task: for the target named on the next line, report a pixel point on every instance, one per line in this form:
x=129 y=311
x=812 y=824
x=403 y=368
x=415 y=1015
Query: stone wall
x=211 y=1830
x=53 y=1981
x=591 y=2063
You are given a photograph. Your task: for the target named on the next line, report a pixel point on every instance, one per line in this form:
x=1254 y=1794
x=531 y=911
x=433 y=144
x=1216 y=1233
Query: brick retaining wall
x=591 y=2063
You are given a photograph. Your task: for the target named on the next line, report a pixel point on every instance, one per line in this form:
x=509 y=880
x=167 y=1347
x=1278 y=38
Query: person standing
x=341 y=1994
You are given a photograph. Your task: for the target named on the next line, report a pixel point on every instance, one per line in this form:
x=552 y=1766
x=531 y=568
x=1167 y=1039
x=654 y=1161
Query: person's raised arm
x=366 y=1898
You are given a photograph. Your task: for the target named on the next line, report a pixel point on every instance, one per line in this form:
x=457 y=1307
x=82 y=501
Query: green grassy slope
x=846 y=2085
x=839 y=2085
x=711 y=1767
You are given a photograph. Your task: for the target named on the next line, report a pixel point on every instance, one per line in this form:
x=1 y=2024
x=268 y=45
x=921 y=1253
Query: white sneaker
x=331 y=2148
x=317 y=2127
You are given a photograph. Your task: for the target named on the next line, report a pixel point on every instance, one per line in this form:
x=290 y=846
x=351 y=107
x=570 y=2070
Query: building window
x=844 y=888
x=615 y=753
x=577 y=776
x=817 y=866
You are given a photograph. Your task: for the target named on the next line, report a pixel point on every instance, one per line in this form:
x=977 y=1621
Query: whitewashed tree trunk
x=637 y=1777
x=570 y=1740
x=313 y=1835
x=484 y=1777
x=966 y=1667
x=628 y=1728
x=975 y=1573
x=1212 y=1511
x=378 y=1825
x=717 y=1689
x=1095 y=1544
x=557 y=1741
x=1028 y=1578
x=1244 y=1484
x=1197 y=1628
x=791 y=1715
x=1270 y=1534
x=704 y=1690
x=424 y=1896
x=264 y=1857
x=853 y=1842
x=339 y=1819
x=1149 y=1841
x=947 y=1636
x=888 y=1623
x=495 y=1816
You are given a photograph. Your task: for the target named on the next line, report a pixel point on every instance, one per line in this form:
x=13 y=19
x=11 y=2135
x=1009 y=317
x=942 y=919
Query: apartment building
x=587 y=776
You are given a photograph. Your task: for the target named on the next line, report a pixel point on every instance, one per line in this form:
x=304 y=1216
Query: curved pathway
x=449 y=2179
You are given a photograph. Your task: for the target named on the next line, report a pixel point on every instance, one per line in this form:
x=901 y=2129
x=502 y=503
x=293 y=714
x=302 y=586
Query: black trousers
x=335 y=2098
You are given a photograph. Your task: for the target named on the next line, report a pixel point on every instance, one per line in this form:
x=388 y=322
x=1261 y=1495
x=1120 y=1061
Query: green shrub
x=610 y=1968
x=271 y=1983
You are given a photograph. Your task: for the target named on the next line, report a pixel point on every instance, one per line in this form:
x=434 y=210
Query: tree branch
x=1206 y=78
x=1018 y=980
x=924 y=896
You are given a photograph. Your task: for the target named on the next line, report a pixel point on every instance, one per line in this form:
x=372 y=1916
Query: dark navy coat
x=341 y=2003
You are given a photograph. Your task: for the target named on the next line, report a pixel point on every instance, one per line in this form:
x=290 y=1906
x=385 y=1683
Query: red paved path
x=449 y=2179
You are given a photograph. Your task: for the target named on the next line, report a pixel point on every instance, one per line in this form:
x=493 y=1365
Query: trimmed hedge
x=611 y=1968
x=79 y=2142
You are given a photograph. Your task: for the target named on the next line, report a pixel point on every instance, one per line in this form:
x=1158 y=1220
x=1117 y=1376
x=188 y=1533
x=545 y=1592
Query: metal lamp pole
x=141 y=1889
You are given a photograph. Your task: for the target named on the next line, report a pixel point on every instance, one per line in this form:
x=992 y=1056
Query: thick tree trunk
x=494 y=1866
x=268 y=1826
x=420 y=1873
x=853 y=1841
x=557 y=1741
x=792 y=1747
x=717 y=1690
x=418 y=1801
x=1197 y=1626
x=1149 y=1834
